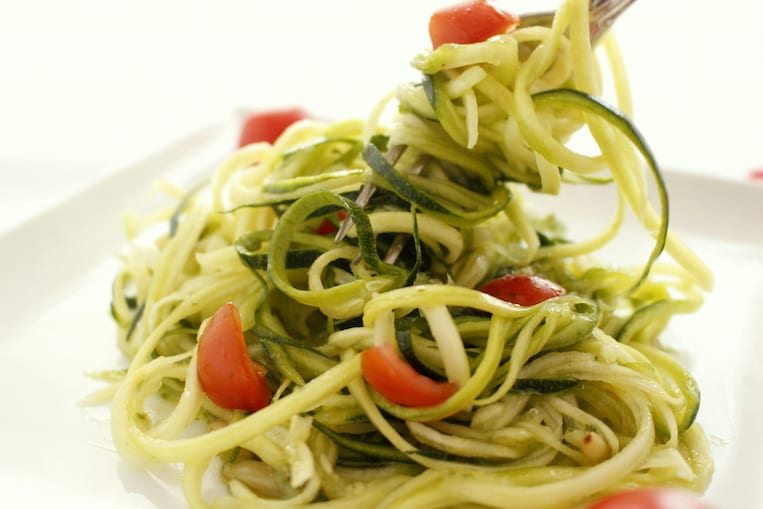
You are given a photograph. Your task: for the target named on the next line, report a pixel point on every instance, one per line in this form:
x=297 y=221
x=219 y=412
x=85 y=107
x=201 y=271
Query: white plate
x=57 y=271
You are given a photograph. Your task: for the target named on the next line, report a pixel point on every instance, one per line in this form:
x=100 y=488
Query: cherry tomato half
x=468 y=23
x=228 y=376
x=651 y=498
x=522 y=289
x=397 y=381
x=268 y=125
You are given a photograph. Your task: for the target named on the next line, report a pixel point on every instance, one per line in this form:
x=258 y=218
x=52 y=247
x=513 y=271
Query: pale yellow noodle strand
x=187 y=407
x=527 y=119
x=449 y=342
x=139 y=446
x=524 y=347
x=616 y=65
x=594 y=243
x=488 y=489
x=193 y=476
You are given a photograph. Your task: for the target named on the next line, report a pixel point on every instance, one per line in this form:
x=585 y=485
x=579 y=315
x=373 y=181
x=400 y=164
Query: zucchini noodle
x=554 y=405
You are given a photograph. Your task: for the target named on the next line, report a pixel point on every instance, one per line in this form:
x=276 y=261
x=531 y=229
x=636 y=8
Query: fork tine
x=604 y=13
x=393 y=154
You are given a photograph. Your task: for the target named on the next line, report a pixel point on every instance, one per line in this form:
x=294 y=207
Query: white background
x=88 y=86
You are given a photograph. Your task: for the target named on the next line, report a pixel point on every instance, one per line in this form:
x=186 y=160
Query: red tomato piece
x=268 y=125
x=651 y=498
x=228 y=376
x=522 y=289
x=397 y=381
x=327 y=227
x=468 y=23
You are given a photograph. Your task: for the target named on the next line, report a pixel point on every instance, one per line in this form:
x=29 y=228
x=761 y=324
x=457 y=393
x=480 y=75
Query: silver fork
x=602 y=15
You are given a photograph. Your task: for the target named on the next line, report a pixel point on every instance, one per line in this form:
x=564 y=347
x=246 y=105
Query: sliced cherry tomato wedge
x=327 y=227
x=268 y=125
x=651 y=498
x=397 y=381
x=228 y=376
x=522 y=289
x=467 y=23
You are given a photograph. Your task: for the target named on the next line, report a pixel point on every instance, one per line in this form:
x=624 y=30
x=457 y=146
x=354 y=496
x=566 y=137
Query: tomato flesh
x=268 y=125
x=523 y=289
x=327 y=227
x=398 y=382
x=228 y=376
x=651 y=498
x=469 y=23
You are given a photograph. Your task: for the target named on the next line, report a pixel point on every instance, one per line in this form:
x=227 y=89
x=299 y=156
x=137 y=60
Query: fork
x=602 y=15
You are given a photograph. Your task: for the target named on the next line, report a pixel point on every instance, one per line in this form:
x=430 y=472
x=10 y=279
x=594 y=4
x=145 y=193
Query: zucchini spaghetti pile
x=454 y=348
